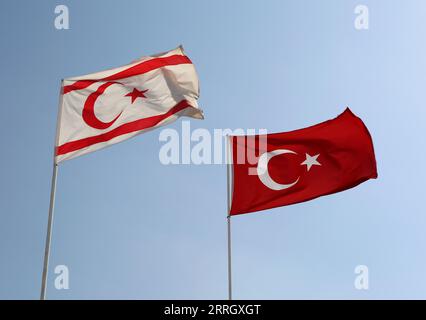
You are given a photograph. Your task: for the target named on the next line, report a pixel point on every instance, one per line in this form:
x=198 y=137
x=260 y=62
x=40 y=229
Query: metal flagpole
x=52 y=203
x=228 y=174
x=49 y=232
x=229 y=260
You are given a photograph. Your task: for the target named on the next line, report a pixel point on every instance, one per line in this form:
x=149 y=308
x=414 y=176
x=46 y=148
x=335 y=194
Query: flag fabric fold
x=107 y=107
x=300 y=165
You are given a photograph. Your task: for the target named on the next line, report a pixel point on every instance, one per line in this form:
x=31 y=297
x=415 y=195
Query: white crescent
x=262 y=170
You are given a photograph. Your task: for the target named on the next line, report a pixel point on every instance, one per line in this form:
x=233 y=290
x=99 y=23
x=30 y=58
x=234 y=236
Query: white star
x=311 y=161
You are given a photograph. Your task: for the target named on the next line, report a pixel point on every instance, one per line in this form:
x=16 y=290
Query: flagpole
x=49 y=232
x=228 y=217
x=229 y=260
x=52 y=202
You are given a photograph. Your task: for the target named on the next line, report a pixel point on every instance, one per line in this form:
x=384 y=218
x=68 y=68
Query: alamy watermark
x=362 y=18
x=362 y=277
x=62 y=19
x=201 y=146
x=62 y=280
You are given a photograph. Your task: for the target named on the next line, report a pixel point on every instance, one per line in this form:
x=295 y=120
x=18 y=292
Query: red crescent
x=89 y=109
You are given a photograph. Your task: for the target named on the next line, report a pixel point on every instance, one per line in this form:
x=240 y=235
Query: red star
x=136 y=94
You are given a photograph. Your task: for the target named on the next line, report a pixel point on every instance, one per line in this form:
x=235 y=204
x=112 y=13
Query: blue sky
x=129 y=227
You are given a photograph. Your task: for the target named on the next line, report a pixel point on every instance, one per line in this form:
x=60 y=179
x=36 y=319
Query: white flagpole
x=49 y=232
x=229 y=260
x=52 y=203
x=228 y=171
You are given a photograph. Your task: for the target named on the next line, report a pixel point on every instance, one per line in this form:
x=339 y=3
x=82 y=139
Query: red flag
x=300 y=165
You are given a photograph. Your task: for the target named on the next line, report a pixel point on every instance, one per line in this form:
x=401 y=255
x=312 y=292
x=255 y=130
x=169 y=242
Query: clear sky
x=127 y=226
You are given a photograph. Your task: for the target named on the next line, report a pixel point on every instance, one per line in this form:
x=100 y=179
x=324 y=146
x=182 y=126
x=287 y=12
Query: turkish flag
x=280 y=169
x=104 y=108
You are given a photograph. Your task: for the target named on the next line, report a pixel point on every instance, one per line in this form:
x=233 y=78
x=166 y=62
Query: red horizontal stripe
x=141 y=68
x=126 y=128
x=80 y=84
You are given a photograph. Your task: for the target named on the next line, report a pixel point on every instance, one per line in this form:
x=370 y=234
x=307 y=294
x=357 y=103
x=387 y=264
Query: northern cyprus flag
x=104 y=108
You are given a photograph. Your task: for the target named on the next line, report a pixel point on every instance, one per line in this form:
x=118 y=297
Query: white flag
x=104 y=108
